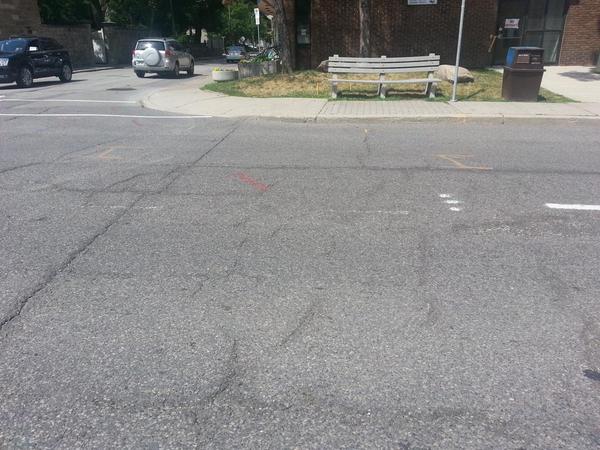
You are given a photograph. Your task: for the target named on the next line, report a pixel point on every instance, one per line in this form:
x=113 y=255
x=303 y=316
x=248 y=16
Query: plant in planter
x=265 y=63
x=219 y=74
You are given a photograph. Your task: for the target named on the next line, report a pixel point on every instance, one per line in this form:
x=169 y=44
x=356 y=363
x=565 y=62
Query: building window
x=303 y=22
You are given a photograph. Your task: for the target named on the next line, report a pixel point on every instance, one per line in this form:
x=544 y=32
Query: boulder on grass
x=324 y=66
x=446 y=72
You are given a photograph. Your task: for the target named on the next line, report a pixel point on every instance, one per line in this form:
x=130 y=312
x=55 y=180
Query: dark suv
x=24 y=58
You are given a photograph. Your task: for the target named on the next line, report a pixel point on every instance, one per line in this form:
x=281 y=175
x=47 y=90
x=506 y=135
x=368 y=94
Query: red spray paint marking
x=247 y=179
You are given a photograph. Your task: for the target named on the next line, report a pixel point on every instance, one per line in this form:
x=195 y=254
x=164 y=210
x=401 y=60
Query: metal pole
x=460 y=35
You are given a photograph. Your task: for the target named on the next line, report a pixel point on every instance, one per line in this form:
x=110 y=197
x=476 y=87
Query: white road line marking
x=445 y=195
x=380 y=211
x=455 y=209
x=573 y=207
x=121 y=116
x=66 y=100
x=453 y=202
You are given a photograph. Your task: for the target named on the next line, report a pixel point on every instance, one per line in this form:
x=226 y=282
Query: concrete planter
x=224 y=75
x=248 y=70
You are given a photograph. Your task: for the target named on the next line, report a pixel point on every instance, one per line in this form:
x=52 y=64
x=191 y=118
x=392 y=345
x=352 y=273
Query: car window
x=44 y=44
x=51 y=44
x=175 y=46
x=14 y=45
x=143 y=45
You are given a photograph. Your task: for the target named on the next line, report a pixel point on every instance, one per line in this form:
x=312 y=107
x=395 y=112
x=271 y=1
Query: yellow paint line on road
x=455 y=159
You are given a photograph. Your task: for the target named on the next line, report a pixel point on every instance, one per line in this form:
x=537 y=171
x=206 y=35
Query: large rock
x=446 y=72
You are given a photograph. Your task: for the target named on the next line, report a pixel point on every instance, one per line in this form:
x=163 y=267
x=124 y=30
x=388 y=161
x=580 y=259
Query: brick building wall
x=581 y=38
x=18 y=17
x=398 y=29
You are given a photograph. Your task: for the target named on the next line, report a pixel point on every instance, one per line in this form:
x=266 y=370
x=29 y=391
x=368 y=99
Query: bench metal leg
x=382 y=91
x=334 y=88
x=433 y=90
x=431 y=87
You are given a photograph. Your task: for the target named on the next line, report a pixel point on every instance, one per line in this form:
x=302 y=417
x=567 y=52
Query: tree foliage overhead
x=162 y=16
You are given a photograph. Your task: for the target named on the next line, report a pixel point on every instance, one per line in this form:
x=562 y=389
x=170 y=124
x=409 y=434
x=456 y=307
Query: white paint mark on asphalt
x=118 y=116
x=65 y=101
x=455 y=209
x=574 y=207
x=453 y=202
x=379 y=211
x=445 y=196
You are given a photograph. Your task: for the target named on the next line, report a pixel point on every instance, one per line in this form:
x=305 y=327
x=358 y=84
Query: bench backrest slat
x=405 y=70
x=428 y=63
x=404 y=59
x=381 y=65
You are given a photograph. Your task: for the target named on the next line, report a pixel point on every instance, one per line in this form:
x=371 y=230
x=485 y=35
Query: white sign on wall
x=422 y=2
x=511 y=24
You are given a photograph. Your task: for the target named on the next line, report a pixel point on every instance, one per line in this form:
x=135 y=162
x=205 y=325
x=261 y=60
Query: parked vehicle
x=161 y=56
x=235 y=53
x=23 y=59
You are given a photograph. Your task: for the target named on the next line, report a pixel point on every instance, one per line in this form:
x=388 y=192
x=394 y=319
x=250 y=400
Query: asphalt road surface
x=197 y=282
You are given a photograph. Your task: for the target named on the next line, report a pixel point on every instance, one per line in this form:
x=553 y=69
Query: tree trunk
x=281 y=25
x=365 y=28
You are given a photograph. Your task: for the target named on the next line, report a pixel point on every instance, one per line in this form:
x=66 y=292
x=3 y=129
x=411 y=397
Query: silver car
x=161 y=56
x=234 y=53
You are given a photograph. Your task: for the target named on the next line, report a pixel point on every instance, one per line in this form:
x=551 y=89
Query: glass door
x=510 y=26
x=545 y=23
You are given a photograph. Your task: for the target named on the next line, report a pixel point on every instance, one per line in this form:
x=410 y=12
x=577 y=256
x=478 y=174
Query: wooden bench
x=382 y=66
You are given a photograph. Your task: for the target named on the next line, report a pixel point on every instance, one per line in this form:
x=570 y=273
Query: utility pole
x=173 y=29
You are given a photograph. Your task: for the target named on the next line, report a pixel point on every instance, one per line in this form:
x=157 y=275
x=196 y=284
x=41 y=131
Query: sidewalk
x=576 y=82
x=187 y=99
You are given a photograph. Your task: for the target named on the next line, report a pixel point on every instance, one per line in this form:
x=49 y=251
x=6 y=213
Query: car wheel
x=25 y=77
x=66 y=73
x=175 y=73
x=190 y=71
x=140 y=74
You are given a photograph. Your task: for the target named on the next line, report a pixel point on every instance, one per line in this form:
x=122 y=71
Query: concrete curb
x=193 y=101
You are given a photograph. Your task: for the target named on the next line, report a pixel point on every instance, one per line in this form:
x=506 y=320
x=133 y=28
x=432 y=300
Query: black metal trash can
x=523 y=74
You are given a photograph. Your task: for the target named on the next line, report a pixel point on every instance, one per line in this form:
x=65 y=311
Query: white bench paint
x=382 y=66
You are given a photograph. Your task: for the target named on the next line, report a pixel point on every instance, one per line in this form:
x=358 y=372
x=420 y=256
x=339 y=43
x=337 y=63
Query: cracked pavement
x=271 y=284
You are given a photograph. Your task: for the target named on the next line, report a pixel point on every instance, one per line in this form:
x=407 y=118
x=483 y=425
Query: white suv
x=161 y=56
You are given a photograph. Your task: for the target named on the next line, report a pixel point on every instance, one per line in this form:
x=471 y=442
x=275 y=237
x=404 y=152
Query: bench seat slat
x=401 y=70
x=405 y=59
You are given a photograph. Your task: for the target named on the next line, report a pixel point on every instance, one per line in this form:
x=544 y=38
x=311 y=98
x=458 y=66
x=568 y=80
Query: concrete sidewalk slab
x=522 y=109
x=387 y=109
x=575 y=82
x=189 y=99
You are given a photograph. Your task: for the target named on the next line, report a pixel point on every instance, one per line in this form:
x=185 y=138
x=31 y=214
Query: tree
x=237 y=20
x=282 y=31
x=70 y=11
x=365 y=28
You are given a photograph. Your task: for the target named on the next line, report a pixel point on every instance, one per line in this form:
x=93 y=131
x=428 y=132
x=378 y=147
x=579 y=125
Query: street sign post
x=459 y=46
x=257 y=19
